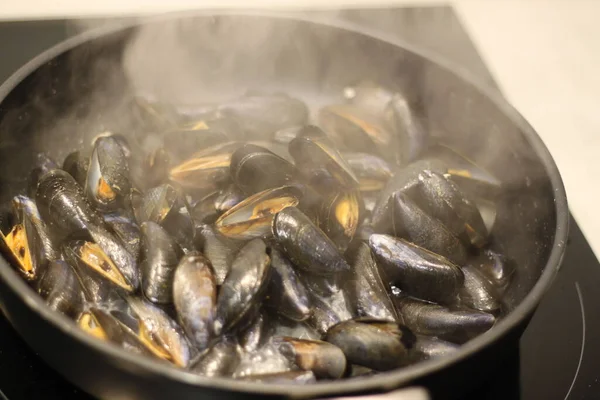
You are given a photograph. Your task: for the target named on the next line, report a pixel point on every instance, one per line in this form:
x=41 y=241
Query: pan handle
x=411 y=393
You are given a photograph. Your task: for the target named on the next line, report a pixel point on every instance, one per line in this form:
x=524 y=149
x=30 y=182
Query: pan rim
x=381 y=382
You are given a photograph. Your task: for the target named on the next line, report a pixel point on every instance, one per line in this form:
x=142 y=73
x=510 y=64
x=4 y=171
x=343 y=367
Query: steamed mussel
x=242 y=240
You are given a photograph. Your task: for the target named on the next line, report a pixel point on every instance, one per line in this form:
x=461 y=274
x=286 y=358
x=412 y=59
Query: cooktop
x=557 y=357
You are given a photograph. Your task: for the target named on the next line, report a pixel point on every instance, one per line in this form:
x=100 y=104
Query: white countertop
x=544 y=54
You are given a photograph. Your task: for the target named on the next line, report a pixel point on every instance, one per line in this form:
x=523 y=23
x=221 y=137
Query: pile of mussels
x=239 y=240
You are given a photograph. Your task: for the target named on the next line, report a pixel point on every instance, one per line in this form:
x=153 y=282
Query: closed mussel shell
x=286 y=293
x=244 y=287
x=127 y=230
x=299 y=237
x=61 y=289
x=324 y=359
x=77 y=164
x=371 y=171
x=496 y=267
x=377 y=344
x=368 y=290
x=220 y=250
x=412 y=223
x=478 y=292
x=159 y=261
x=195 y=296
x=456 y=325
x=443 y=200
x=42 y=164
x=417 y=271
x=256 y=334
x=220 y=359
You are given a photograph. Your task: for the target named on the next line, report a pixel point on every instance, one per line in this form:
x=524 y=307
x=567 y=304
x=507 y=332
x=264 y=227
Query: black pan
x=223 y=56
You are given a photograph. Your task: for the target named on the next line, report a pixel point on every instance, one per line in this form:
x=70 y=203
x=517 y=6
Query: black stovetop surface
x=557 y=358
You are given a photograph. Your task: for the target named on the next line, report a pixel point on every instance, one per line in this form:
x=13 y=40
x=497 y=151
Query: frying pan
x=60 y=99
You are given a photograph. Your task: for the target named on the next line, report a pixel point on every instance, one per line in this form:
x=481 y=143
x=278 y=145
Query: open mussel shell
x=299 y=237
x=60 y=288
x=417 y=271
x=442 y=199
x=27 y=245
x=100 y=278
x=411 y=222
x=371 y=171
x=478 y=292
x=474 y=180
x=101 y=324
x=108 y=174
x=253 y=216
x=325 y=360
x=262 y=114
x=339 y=217
x=254 y=169
x=195 y=296
x=158 y=264
x=456 y=325
x=219 y=250
x=77 y=164
x=377 y=344
x=312 y=150
x=159 y=333
x=410 y=136
x=201 y=133
x=288 y=377
x=355 y=129
x=205 y=170
x=286 y=293
x=244 y=287
x=368 y=290
x=220 y=359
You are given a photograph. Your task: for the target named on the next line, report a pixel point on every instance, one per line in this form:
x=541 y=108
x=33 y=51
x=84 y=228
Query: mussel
x=195 y=296
x=456 y=325
x=409 y=133
x=478 y=291
x=254 y=169
x=330 y=310
x=339 y=217
x=219 y=250
x=286 y=292
x=77 y=164
x=411 y=222
x=243 y=288
x=158 y=264
x=371 y=171
x=220 y=359
x=496 y=267
x=42 y=164
x=313 y=151
x=108 y=174
x=368 y=290
x=205 y=170
x=256 y=334
x=61 y=289
x=299 y=237
x=324 y=359
x=443 y=200
x=417 y=271
x=377 y=344
x=28 y=245
x=253 y=217
x=228 y=198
